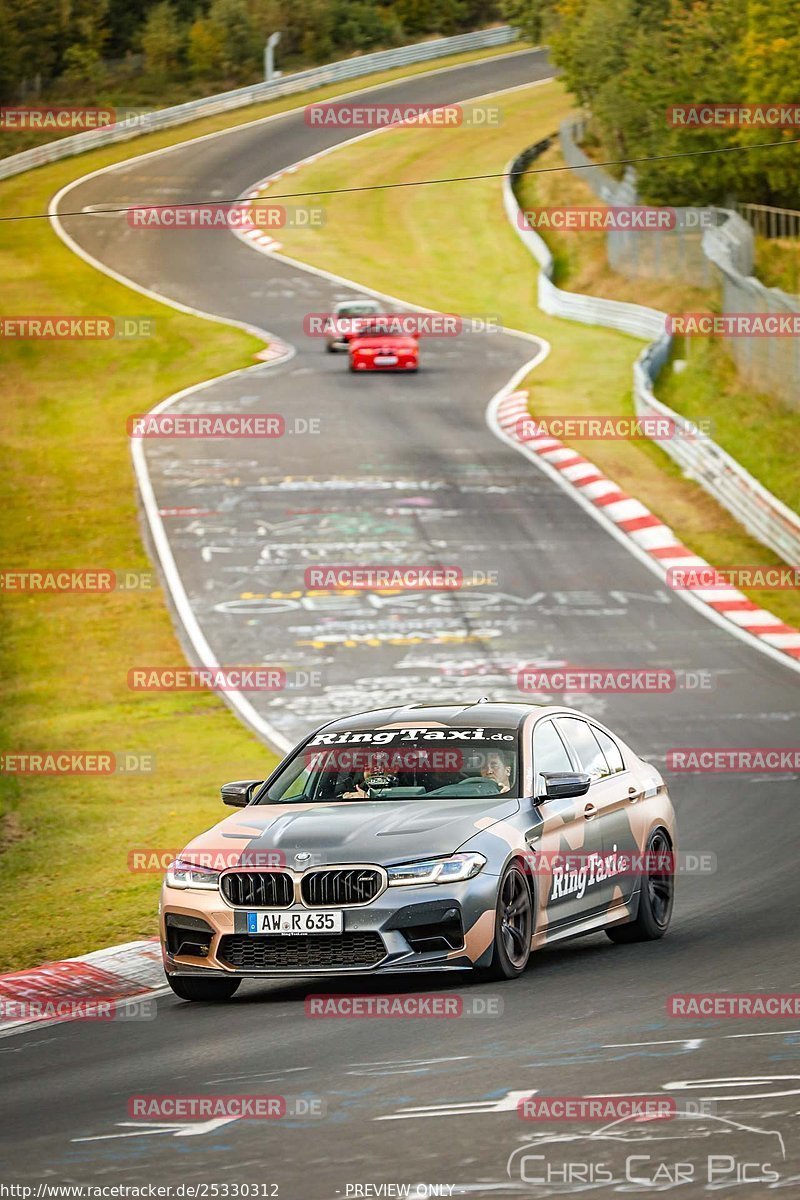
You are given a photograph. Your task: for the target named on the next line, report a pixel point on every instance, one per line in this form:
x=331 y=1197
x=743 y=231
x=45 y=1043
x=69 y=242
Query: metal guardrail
x=614 y=314
x=709 y=246
x=762 y=514
x=604 y=185
x=287 y=85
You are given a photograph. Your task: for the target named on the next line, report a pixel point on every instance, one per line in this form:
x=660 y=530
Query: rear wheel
x=194 y=987
x=656 y=898
x=513 y=926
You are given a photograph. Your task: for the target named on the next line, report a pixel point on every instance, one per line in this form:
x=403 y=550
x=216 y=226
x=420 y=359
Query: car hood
x=382 y=832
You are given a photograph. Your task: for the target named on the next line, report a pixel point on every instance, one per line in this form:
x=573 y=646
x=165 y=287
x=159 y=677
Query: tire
x=193 y=987
x=513 y=926
x=656 y=900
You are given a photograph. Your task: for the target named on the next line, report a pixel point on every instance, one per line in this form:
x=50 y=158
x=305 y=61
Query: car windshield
x=360 y=309
x=441 y=763
x=378 y=329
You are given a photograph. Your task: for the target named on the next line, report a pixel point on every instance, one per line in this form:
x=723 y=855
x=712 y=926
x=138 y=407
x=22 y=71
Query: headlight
x=437 y=870
x=185 y=874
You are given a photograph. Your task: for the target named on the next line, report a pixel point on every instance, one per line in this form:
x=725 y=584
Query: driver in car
x=498 y=767
x=373 y=777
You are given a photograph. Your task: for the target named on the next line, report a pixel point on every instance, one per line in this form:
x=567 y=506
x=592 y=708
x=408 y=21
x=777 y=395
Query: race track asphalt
x=406 y=470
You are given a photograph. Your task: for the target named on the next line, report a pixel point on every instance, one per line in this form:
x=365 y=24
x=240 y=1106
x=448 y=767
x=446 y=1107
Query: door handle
x=633 y=795
x=589 y=811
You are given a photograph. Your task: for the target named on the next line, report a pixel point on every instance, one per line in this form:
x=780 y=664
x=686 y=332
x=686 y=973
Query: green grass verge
x=778 y=263
x=758 y=430
x=14 y=143
x=450 y=247
x=68 y=500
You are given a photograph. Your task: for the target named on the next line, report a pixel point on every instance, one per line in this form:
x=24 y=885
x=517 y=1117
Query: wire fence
x=770 y=222
x=668 y=253
x=762 y=514
x=708 y=247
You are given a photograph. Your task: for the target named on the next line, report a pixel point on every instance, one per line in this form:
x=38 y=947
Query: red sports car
x=377 y=347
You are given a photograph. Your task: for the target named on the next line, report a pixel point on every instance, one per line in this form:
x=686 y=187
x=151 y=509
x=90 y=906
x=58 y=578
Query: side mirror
x=561 y=785
x=239 y=793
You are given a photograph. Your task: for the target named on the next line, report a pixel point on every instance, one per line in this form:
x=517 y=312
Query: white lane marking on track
x=689 y=1043
x=736 y=1081
x=27 y=1046
x=712 y=1038
x=510 y=1101
x=412 y=1062
x=243 y=707
x=206 y=657
x=624 y=539
x=148 y=1128
x=495 y=424
x=127 y=164
x=268 y=180
x=409 y=1066
x=507 y=1103
x=653 y=537
x=264 y=1076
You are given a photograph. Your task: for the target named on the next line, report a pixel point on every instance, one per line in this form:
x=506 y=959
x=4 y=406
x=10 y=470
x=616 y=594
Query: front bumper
x=405 y=929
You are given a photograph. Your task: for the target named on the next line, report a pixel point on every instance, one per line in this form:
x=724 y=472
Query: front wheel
x=194 y=987
x=513 y=926
x=656 y=897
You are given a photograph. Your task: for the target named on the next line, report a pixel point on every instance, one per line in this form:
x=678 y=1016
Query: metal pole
x=269 y=56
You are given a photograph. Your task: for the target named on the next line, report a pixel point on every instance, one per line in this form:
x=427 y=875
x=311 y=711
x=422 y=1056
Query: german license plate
x=297 y=923
x=385 y=360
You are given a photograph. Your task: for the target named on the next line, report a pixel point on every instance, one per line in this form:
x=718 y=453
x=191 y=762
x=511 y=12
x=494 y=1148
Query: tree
x=163 y=40
x=230 y=20
x=9 y=53
x=769 y=56
x=265 y=17
x=356 y=25
x=690 y=60
x=630 y=61
x=533 y=17
x=37 y=37
x=84 y=73
x=125 y=21
x=206 y=50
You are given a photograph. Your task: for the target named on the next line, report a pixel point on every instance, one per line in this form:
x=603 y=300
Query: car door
x=561 y=885
x=619 y=840
x=601 y=809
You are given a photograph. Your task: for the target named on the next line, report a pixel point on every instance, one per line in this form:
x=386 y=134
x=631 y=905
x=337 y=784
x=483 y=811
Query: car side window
x=610 y=749
x=586 y=746
x=549 y=752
